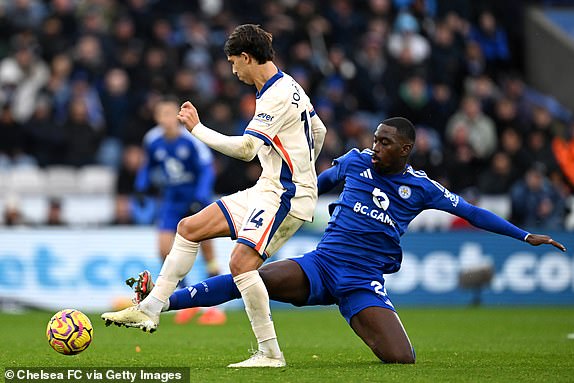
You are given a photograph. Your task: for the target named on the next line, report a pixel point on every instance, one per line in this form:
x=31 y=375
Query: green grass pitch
x=452 y=345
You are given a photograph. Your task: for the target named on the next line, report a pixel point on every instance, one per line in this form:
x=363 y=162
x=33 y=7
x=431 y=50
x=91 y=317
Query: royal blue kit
x=187 y=174
x=362 y=239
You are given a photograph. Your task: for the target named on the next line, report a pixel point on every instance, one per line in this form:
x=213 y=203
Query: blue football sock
x=211 y=292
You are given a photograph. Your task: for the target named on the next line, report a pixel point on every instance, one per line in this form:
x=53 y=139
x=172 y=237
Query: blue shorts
x=351 y=288
x=171 y=212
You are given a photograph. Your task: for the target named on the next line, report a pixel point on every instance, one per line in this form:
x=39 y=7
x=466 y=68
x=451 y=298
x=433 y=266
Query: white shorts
x=260 y=220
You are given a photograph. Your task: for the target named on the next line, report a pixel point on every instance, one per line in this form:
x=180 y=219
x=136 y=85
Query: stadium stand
x=60 y=179
x=25 y=181
x=78 y=81
x=94 y=179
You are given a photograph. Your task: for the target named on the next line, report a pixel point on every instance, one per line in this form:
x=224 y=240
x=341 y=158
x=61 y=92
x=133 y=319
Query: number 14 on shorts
x=255 y=220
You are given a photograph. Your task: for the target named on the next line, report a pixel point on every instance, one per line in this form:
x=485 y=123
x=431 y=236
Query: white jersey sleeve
x=319 y=131
x=241 y=147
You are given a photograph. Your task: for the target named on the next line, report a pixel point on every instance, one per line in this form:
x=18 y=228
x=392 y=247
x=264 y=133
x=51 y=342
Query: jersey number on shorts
x=379 y=289
x=308 y=133
x=255 y=219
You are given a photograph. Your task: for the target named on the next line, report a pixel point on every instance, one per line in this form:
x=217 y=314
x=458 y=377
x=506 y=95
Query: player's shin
x=176 y=265
x=211 y=292
x=256 y=300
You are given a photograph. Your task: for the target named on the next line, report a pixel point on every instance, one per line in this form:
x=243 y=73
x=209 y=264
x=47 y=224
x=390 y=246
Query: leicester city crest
x=404 y=191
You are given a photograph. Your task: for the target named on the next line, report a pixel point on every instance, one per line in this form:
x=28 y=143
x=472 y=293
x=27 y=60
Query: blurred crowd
x=79 y=79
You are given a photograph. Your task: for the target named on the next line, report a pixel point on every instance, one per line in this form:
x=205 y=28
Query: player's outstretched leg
x=145 y=315
x=211 y=292
x=208 y=223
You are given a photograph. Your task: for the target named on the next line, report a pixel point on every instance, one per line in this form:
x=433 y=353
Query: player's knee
x=397 y=354
x=188 y=229
x=239 y=264
x=237 y=267
x=234 y=267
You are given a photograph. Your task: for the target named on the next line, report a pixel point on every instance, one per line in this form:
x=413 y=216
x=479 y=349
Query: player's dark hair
x=404 y=127
x=251 y=39
x=171 y=98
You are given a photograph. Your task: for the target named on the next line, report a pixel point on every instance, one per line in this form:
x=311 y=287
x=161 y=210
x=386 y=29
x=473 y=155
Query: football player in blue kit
x=381 y=196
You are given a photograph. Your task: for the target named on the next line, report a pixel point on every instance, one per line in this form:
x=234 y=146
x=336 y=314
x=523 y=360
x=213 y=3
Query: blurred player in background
x=187 y=178
x=382 y=194
x=287 y=136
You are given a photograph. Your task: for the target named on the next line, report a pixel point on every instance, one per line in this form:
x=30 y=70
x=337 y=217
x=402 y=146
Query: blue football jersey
x=374 y=210
x=185 y=163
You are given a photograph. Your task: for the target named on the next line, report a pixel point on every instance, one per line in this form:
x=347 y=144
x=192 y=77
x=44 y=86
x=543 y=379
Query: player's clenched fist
x=188 y=115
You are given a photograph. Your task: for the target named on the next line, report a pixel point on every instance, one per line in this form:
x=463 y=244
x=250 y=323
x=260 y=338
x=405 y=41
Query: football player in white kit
x=287 y=136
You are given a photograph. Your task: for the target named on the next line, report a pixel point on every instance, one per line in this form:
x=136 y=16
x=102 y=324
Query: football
x=69 y=332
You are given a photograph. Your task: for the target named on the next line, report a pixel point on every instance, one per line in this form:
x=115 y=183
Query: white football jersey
x=283 y=118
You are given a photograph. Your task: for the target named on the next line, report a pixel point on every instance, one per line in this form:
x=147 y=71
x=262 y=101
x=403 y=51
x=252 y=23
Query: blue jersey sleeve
x=328 y=180
x=487 y=220
x=441 y=199
x=331 y=177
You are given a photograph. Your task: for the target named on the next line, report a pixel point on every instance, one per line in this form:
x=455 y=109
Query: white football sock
x=151 y=306
x=176 y=266
x=256 y=300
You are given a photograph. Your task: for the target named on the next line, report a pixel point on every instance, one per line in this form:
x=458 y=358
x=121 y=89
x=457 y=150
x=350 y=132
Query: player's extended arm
x=319 y=131
x=241 y=147
x=487 y=220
